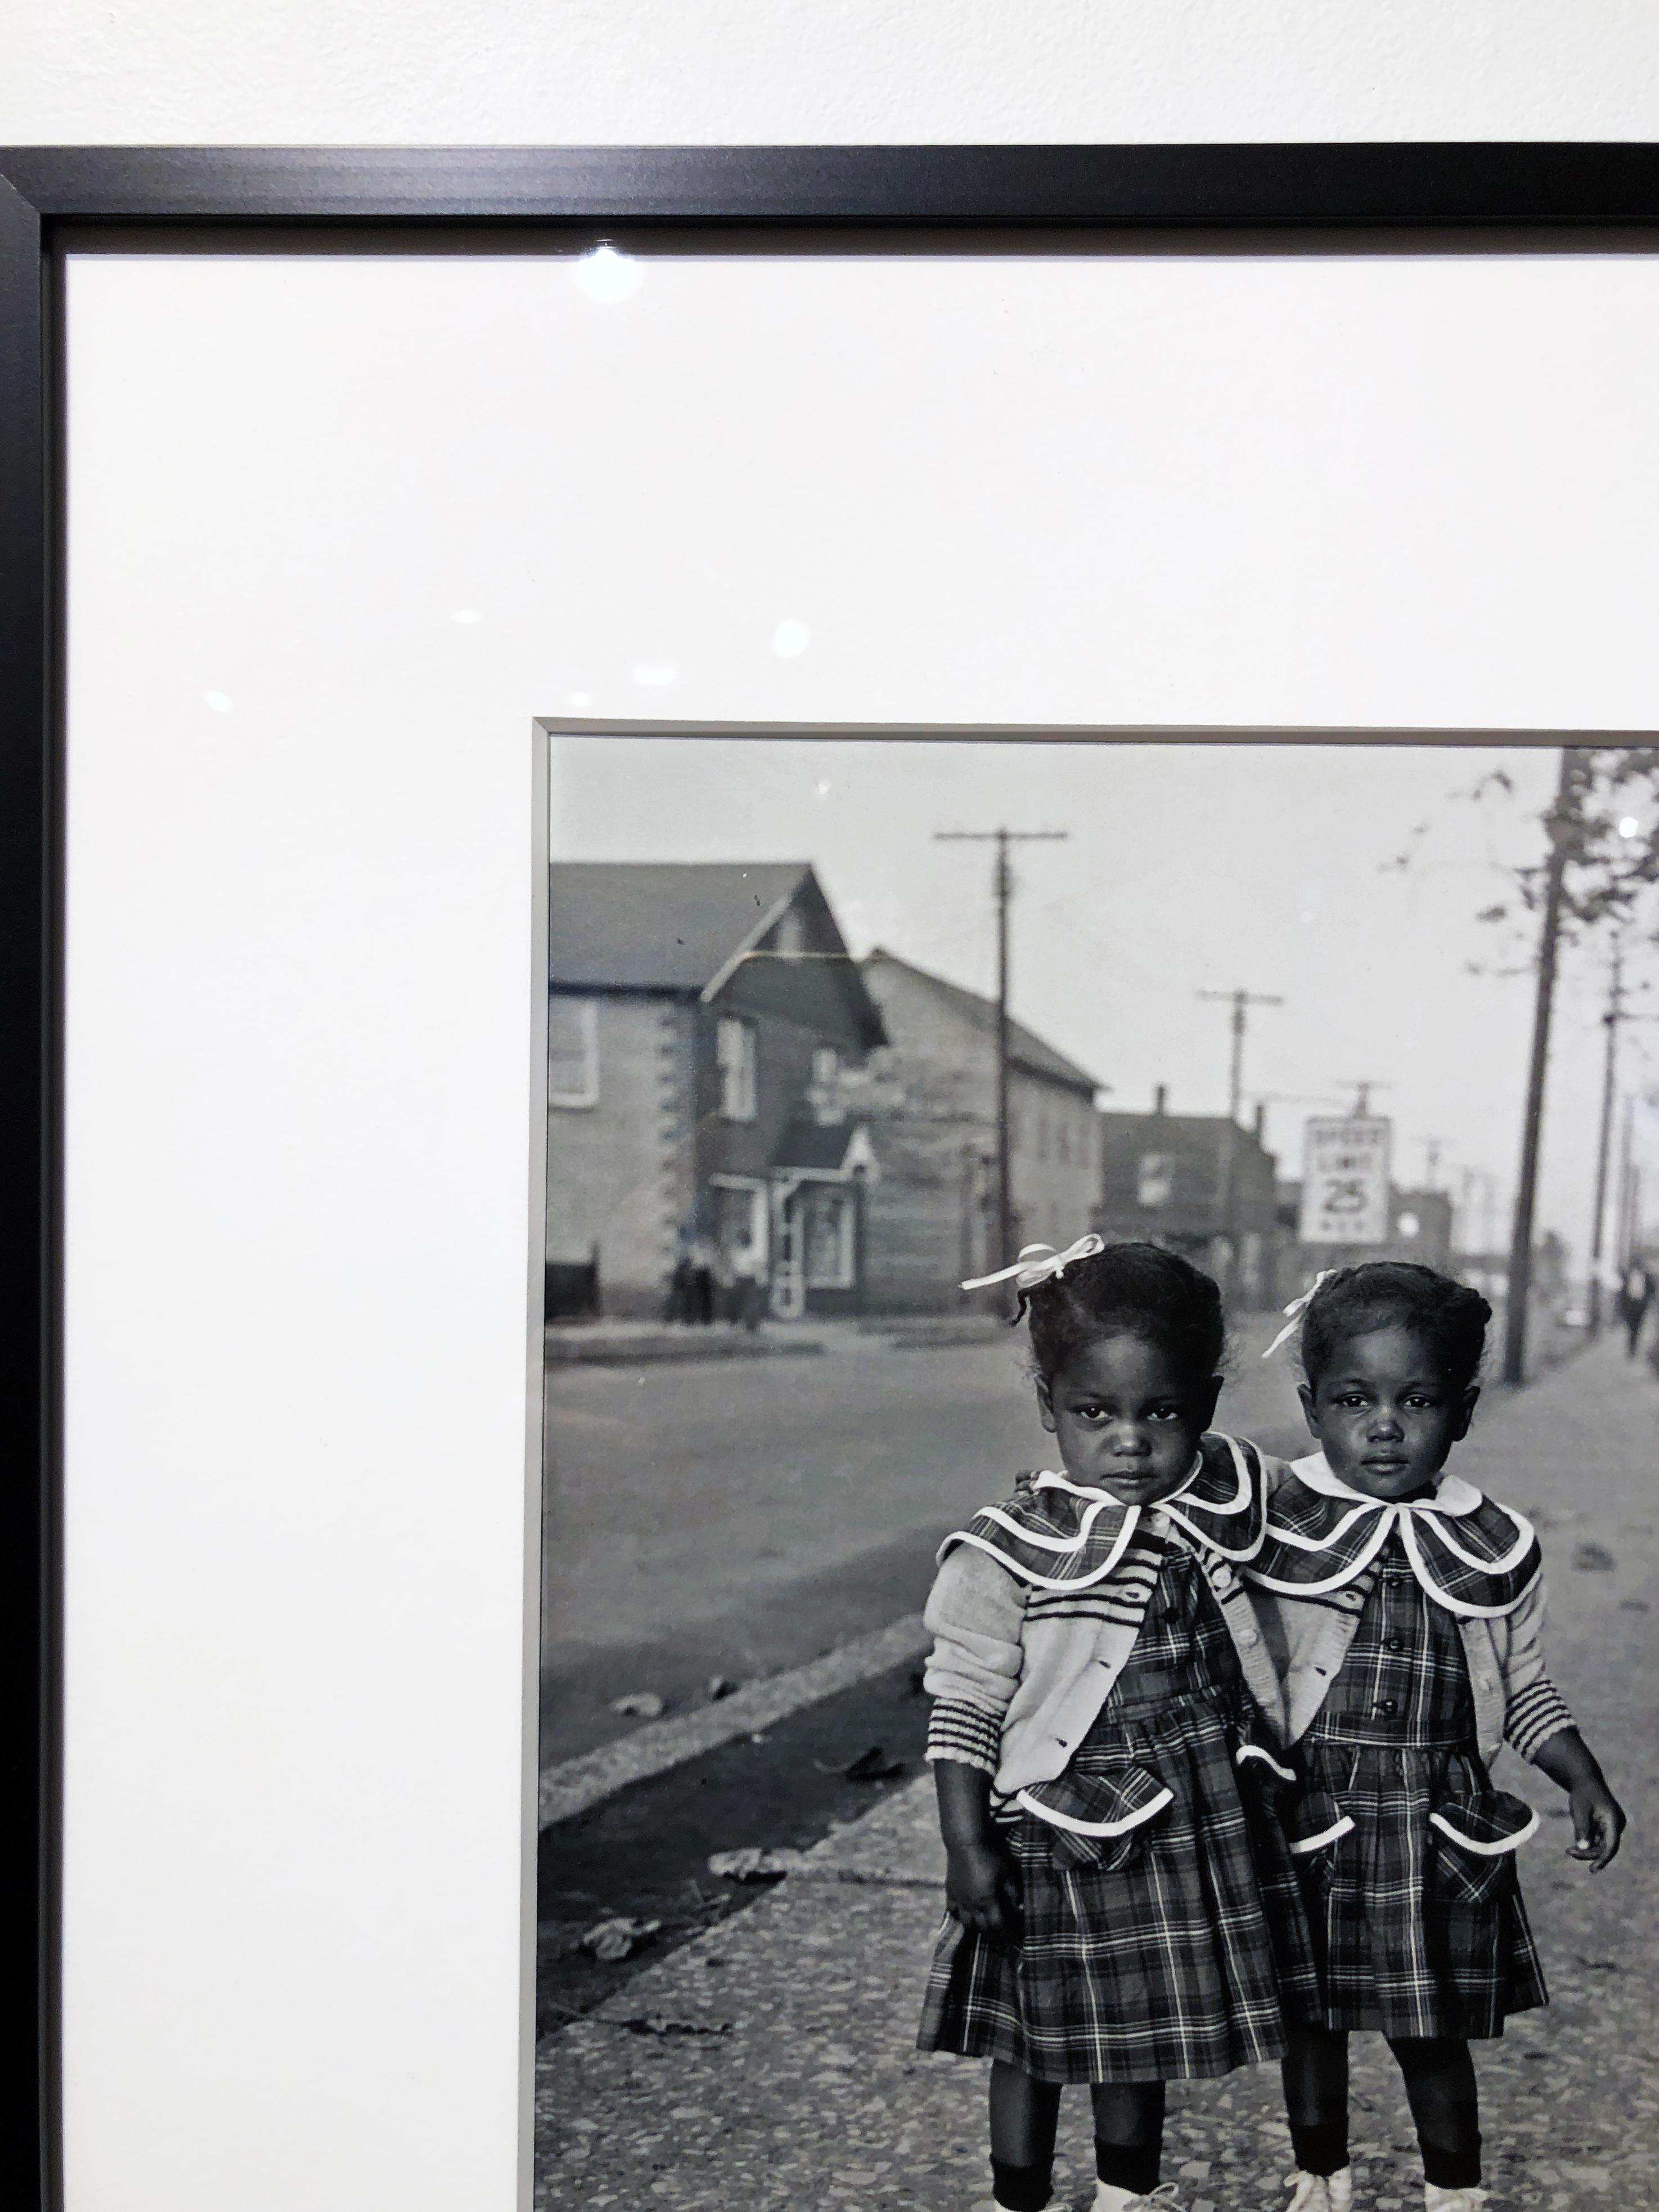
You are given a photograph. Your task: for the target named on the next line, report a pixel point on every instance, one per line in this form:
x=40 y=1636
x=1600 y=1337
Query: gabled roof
x=658 y=925
x=1026 y=1049
x=826 y=1149
x=1188 y=1133
x=1176 y=1125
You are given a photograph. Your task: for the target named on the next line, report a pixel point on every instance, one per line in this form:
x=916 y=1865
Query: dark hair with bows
x=1128 y=1290
x=1448 y=1319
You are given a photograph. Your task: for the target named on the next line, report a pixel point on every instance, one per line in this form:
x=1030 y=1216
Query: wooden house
x=929 y=1096
x=701 y=1016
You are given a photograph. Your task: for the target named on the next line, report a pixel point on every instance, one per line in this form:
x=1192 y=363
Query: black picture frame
x=1424 y=193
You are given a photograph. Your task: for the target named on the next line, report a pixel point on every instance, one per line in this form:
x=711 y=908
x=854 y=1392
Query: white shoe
x=1321 y=2193
x=1436 y=2199
x=1109 y=2199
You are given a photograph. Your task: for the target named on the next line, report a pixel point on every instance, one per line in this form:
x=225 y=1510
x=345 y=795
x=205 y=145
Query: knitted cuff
x=964 y=1733
x=1533 y=1715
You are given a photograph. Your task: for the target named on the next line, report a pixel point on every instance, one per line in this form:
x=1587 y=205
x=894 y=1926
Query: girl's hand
x=1598 y=1822
x=1598 y=1818
x=982 y=1891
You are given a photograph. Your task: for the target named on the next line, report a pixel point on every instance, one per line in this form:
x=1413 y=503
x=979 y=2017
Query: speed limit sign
x=1345 y=1181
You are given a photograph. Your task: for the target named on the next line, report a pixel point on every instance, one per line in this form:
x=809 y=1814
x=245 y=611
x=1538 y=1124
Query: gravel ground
x=769 y=2063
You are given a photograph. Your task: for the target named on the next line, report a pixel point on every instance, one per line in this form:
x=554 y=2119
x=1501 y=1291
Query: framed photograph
x=623 y=769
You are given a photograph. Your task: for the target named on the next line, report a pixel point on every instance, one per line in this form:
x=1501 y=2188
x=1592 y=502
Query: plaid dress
x=1420 y=1925
x=1145 y=1956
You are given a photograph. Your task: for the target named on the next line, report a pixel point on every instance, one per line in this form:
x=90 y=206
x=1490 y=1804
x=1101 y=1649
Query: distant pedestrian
x=1408 y=1609
x=677 y=1299
x=690 y=1299
x=1635 y=1297
x=1104 y=1773
x=704 y=1281
x=748 y=1285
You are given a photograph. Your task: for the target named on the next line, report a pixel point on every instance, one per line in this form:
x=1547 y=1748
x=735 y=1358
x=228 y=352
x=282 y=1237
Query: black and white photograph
x=838 y=1170
x=955 y=1149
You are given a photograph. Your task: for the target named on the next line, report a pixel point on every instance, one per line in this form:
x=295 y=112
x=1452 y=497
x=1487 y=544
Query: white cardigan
x=1018 y=1692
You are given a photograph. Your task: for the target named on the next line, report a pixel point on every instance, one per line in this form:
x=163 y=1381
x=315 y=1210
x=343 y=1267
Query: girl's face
x=1126 y=1420
x=1386 y=1417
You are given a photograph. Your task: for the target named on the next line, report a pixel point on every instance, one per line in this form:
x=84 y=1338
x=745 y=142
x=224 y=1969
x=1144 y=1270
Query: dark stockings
x=1440 y=2089
x=1129 y=2134
x=1025 y=2114
x=1439 y=2077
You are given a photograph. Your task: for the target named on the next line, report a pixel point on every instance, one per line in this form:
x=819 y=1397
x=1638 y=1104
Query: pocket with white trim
x=1264 y=1771
x=1314 y=1825
x=1475 y=1840
x=1099 y=1821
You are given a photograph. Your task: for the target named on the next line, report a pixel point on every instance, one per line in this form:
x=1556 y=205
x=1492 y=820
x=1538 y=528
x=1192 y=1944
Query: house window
x=823 y=1091
x=829 y=1239
x=573 y=1052
x=790 y=937
x=734 y=1050
x=1154 y=1179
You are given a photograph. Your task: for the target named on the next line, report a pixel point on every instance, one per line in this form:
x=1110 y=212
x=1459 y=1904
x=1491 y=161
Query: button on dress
x=1163 y=1932
x=1415 y=1907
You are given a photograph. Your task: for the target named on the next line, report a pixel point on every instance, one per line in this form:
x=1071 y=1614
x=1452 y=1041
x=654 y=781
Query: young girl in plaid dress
x=1105 y=1780
x=1407 y=1615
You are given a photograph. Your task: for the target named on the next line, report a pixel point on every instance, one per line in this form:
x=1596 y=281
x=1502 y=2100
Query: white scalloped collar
x=1452 y=1495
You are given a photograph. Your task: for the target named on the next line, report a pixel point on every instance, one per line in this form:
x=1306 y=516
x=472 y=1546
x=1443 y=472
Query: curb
x=577 y=1784
x=653 y=1350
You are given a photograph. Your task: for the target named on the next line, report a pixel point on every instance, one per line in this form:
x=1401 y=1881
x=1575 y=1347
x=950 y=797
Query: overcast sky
x=1185 y=868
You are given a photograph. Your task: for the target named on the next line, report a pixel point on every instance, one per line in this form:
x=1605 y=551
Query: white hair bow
x=1039 y=1263
x=1297 y=1308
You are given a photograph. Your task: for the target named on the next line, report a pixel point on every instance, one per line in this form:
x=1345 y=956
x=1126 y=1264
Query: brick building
x=701 y=1019
x=929 y=1096
x=1163 y=1178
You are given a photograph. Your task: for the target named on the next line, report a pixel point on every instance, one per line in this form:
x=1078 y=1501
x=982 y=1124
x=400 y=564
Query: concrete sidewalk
x=769 y=2064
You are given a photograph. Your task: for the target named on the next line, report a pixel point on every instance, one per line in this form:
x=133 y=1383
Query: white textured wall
x=575 y=72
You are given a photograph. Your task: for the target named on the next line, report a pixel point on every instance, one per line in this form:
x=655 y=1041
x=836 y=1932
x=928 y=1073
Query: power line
x=1003 y=891
x=1240 y=1001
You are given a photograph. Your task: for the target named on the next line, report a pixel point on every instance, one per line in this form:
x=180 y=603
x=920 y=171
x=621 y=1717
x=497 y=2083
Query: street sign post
x=1345 y=1180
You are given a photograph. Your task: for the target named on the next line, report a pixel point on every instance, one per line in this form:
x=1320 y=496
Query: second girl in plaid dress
x=1107 y=1787
x=1406 y=1610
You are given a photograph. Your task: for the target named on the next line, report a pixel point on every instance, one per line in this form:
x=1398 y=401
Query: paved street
x=739 y=1518
x=768 y=2062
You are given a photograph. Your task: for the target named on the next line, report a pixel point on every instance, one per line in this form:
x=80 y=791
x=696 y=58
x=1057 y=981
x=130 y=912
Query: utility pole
x=1362 y=1087
x=1610 y=1021
x=1532 y=1125
x=1239 y=1001
x=1003 y=889
x=1464 y=1219
x=1626 y=1241
x=1262 y=1099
